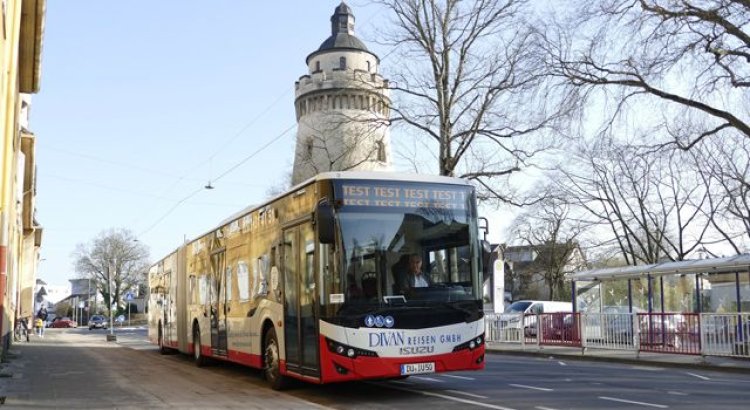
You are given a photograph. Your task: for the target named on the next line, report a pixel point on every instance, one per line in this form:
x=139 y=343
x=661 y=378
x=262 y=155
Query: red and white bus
x=311 y=284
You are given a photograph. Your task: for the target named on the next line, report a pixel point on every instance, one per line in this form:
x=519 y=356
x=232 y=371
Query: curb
x=634 y=361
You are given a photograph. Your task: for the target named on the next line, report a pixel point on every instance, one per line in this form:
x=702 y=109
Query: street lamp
x=111 y=336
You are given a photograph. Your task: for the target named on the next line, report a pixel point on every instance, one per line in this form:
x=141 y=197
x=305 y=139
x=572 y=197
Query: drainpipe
x=3 y=279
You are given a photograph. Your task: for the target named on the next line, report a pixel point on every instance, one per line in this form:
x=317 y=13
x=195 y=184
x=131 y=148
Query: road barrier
x=708 y=334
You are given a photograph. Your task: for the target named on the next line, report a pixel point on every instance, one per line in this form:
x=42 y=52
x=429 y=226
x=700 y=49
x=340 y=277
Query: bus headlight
x=348 y=351
x=471 y=344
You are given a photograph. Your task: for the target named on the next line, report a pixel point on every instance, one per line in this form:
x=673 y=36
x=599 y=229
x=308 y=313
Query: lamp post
x=111 y=336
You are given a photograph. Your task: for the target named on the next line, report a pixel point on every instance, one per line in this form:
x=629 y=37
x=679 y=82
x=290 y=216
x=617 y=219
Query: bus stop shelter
x=718 y=285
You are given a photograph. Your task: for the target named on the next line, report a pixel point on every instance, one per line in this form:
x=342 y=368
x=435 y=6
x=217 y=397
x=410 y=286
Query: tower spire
x=342 y=20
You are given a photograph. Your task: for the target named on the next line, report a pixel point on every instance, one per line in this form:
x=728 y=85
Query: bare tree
x=647 y=204
x=681 y=65
x=724 y=166
x=473 y=85
x=361 y=141
x=549 y=229
x=114 y=254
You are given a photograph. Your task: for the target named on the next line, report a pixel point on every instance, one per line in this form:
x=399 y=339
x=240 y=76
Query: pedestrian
x=40 y=321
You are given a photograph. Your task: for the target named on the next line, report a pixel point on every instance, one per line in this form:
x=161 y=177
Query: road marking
x=649 y=368
x=523 y=386
x=429 y=379
x=562 y=363
x=458 y=377
x=660 y=406
x=699 y=376
x=476 y=396
x=444 y=396
x=677 y=393
x=544 y=408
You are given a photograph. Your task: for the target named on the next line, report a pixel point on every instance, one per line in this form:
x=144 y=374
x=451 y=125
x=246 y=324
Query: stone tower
x=342 y=106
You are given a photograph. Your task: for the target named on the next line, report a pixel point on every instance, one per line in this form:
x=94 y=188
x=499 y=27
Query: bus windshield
x=402 y=255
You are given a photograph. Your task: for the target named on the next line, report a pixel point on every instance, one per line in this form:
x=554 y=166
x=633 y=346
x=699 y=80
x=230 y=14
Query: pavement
x=69 y=369
x=624 y=356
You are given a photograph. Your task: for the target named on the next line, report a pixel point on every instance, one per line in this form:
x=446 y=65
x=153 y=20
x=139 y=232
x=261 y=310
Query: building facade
x=22 y=23
x=539 y=271
x=342 y=106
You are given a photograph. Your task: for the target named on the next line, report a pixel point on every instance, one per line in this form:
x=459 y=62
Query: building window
x=342 y=63
x=368 y=66
x=317 y=66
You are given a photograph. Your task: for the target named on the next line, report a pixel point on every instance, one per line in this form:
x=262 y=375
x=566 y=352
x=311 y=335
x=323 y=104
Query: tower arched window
x=380 y=147
x=309 y=148
x=317 y=66
x=342 y=63
x=368 y=66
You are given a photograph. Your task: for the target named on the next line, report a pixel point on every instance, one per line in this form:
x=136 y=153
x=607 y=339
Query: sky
x=142 y=103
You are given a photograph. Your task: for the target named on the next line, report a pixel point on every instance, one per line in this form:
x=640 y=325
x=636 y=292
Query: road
x=137 y=375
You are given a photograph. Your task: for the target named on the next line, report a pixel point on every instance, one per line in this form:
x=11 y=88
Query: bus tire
x=272 y=361
x=162 y=348
x=198 y=358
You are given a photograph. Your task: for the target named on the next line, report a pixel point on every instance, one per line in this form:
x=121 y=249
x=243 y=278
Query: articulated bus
x=311 y=285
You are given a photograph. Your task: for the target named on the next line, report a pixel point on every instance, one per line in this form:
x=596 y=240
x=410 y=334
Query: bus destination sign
x=412 y=196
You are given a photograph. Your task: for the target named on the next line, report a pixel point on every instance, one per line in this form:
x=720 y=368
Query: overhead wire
x=242 y=161
x=229 y=170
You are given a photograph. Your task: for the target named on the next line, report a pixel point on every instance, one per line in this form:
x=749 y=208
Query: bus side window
x=193 y=289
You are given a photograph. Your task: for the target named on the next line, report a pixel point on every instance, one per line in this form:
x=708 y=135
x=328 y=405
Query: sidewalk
x=68 y=370
x=623 y=356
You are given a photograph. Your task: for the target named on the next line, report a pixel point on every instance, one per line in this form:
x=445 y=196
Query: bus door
x=300 y=301
x=218 y=303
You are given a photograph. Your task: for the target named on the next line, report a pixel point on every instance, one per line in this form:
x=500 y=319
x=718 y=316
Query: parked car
x=63 y=322
x=98 y=322
x=50 y=318
x=528 y=309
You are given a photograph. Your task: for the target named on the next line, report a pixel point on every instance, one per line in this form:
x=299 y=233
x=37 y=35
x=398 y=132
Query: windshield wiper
x=452 y=305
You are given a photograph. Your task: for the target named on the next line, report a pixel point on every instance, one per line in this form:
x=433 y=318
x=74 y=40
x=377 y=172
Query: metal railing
x=725 y=334
x=715 y=334
x=609 y=331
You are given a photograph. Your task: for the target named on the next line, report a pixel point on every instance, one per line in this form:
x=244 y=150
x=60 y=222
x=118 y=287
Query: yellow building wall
x=21 y=22
x=9 y=103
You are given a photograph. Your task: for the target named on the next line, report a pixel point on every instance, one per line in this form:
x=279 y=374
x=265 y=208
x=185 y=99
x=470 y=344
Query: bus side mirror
x=324 y=221
x=488 y=259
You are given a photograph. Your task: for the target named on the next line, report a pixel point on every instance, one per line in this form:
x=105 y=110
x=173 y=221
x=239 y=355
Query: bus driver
x=414 y=277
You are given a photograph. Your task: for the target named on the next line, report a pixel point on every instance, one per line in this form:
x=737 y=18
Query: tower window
x=368 y=65
x=342 y=63
x=380 y=147
x=309 y=147
x=317 y=66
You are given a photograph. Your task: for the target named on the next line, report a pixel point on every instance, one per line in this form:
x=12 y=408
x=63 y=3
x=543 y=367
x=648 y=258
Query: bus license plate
x=417 y=368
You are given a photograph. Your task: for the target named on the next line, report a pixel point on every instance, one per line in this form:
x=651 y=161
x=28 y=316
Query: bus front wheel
x=271 y=361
